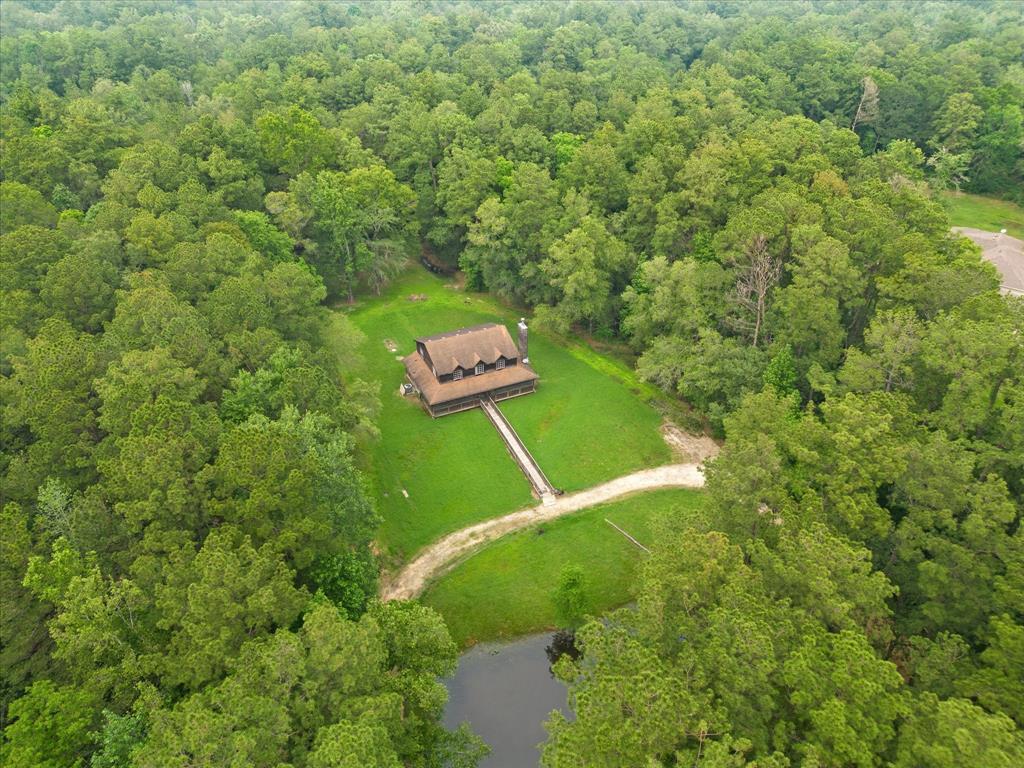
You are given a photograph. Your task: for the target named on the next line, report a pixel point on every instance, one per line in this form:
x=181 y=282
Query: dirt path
x=443 y=553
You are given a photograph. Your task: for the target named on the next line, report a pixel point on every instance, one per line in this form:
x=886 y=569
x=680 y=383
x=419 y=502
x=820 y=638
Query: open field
x=984 y=213
x=504 y=590
x=589 y=420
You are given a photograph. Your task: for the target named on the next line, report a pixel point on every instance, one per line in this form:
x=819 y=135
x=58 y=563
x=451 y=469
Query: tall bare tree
x=758 y=276
x=868 y=108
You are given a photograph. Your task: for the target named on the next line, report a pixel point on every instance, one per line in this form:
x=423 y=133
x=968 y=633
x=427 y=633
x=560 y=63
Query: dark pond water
x=505 y=692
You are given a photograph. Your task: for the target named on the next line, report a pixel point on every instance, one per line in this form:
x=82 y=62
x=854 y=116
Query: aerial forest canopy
x=745 y=195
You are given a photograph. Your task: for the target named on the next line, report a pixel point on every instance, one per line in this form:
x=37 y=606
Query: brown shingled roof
x=466 y=347
x=435 y=392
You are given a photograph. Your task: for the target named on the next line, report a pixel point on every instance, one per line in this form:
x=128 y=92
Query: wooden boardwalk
x=541 y=485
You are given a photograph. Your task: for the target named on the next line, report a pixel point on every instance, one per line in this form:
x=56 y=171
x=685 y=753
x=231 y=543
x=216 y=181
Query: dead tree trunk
x=867 y=109
x=756 y=281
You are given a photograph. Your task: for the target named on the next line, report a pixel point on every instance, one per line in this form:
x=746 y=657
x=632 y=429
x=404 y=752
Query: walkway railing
x=519 y=451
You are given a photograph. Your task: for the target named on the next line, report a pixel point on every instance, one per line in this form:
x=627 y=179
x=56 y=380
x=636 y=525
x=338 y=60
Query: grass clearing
x=429 y=476
x=504 y=590
x=585 y=424
x=590 y=419
x=986 y=213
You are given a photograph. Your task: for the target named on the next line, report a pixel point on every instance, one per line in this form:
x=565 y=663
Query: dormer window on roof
x=438 y=366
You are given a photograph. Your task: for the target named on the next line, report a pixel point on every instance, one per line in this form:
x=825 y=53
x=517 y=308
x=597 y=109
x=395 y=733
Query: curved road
x=440 y=555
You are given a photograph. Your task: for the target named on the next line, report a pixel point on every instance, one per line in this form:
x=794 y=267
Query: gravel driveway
x=443 y=553
x=1005 y=252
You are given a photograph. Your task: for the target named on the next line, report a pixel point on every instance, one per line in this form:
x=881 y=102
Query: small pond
x=505 y=692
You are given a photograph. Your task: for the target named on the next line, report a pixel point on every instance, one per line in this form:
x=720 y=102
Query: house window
x=457 y=374
x=500 y=365
x=479 y=368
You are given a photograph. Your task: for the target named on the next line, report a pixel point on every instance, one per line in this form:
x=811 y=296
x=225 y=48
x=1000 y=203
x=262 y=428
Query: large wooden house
x=452 y=371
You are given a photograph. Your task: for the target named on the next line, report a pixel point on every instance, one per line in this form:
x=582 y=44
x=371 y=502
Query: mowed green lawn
x=504 y=590
x=430 y=476
x=985 y=213
x=589 y=420
x=585 y=424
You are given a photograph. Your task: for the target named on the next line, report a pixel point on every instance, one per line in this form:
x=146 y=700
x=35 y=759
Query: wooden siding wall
x=425 y=355
x=468 y=403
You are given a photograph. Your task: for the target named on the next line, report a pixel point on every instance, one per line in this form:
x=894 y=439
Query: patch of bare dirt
x=695 y=449
x=457 y=283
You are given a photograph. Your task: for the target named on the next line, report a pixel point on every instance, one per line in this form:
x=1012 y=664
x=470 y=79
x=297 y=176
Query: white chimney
x=523 y=349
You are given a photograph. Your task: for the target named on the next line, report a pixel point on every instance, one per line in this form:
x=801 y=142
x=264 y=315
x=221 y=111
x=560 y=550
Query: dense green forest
x=742 y=194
